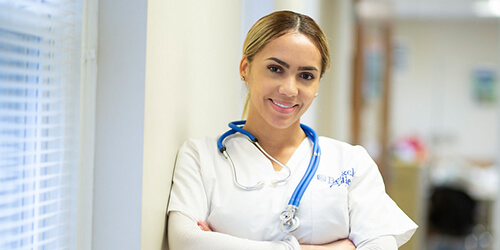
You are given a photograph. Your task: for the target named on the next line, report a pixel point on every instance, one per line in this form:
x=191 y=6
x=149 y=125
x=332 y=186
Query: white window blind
x=39 y=82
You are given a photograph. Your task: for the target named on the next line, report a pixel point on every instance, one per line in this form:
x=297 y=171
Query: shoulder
x=199 y=145
x=197 y=151
x=344 y=149
x=333 y=143
x=346 y=156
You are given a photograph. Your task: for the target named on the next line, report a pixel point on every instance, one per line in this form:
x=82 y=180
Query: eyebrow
x=284 y=64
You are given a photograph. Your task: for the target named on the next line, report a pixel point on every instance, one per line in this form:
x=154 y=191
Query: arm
x=344 y=244
x=184 y=233
x=387 y=242
x=373 y=214
x=189 y=202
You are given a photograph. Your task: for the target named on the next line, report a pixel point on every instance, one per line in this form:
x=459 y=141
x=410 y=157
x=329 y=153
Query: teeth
x=281 y=105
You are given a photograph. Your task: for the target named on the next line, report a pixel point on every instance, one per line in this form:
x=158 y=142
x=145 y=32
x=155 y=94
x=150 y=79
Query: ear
x=244 y=66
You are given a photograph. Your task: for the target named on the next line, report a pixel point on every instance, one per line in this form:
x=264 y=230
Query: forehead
x=293 y=48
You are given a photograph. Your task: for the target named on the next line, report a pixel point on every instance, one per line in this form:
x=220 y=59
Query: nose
x=288 y=87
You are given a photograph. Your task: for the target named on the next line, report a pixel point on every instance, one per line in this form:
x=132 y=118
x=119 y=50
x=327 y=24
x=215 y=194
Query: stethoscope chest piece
x=289 y=222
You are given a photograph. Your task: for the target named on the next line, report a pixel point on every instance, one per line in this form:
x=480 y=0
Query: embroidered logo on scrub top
x=345 y=178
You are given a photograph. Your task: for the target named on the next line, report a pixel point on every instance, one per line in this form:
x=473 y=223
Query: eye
x=275 y=69
x=307 y=76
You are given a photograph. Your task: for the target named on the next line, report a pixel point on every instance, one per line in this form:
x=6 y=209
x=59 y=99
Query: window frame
x=86 y=164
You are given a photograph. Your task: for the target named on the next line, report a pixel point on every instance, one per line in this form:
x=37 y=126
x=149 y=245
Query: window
x=39 y=82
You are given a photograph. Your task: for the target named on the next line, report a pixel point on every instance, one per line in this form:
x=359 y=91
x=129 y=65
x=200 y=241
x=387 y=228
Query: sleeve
x=381 y=243
x=183 y=233
x=189 y=204
x=372 y=212
x=188 y=193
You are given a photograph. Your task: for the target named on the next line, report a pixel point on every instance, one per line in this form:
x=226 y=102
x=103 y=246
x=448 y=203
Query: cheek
x=260 y=86
x=311 y=91
x=308 y=98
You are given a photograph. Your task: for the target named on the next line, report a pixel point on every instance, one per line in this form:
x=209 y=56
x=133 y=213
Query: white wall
x=192 y=90
x=166 y=71
x=431 y=94
x=334 y=100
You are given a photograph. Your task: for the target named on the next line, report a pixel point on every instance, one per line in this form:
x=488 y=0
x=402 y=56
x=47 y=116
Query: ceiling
x=450 y=9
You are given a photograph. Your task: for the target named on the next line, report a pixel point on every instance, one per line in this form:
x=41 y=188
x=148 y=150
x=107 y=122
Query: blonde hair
x=277 y=24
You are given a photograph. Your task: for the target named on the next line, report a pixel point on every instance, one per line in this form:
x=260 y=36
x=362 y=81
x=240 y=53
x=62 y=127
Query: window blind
x=39 y=82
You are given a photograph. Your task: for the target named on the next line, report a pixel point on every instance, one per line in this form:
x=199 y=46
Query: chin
x=281 y=123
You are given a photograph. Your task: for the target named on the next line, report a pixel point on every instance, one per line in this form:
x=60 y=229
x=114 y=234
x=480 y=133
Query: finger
x=203 y=225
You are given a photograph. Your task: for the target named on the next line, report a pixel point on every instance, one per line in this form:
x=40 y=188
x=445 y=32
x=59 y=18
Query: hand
x=203 y=225
x=344 y=244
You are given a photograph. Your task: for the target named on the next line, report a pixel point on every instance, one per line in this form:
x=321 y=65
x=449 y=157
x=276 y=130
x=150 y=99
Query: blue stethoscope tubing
x=289 y=222
x=311 y=169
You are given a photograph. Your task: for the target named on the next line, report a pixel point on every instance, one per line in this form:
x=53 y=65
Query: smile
x=282 y=105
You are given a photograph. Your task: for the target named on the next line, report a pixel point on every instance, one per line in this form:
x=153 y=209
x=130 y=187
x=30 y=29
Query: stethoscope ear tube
x=257 y=186
x=289 y=222
x=236 y=127
x=220 y=142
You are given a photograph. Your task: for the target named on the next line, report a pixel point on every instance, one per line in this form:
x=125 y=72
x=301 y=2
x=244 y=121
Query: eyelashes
x=307 y=76
x=275 y=69
x=279 y=70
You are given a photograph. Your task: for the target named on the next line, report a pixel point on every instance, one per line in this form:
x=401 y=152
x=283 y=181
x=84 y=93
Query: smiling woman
x=266 y=30
x=334 y=188
x=283 y=79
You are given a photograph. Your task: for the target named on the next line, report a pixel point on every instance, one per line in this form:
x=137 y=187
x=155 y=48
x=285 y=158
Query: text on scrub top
x=345 y=178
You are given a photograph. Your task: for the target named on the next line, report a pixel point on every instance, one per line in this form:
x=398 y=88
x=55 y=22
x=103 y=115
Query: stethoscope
x=289 y=222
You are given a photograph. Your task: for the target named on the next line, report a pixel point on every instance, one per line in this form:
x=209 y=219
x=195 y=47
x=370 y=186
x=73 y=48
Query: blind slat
x=38 y=33
x=27 y=18
x=33 y=41
x=55 y=8
x=39 y=77
x=17 y=86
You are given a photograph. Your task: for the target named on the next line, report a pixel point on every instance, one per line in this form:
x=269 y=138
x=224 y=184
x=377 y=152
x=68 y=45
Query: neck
x=276 y=140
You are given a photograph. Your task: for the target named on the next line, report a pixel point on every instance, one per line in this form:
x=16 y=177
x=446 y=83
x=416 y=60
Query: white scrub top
x=345 y=199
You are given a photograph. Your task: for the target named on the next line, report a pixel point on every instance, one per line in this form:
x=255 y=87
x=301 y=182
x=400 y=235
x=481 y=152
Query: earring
x=315 y=95
x=243 y=78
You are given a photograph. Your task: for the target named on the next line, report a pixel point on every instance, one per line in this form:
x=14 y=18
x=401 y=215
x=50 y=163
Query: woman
x=344 y=206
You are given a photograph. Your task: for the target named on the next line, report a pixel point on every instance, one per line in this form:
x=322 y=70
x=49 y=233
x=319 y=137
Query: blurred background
x=97 y=96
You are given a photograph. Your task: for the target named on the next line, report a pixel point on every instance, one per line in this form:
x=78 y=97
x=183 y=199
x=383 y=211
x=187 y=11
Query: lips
x=283 y=107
